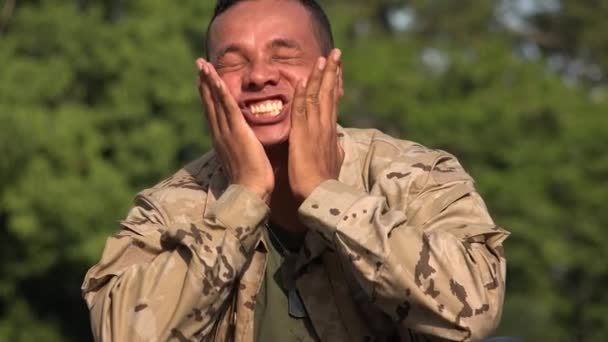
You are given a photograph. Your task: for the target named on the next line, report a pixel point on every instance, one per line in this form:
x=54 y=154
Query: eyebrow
x=274 y=44
x=285 y=43
x=227 y=49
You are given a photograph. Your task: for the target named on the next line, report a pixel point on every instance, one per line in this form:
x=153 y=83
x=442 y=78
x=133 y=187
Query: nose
x=259 y=75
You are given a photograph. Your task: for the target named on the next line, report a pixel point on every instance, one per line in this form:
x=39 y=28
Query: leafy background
x=97 y=101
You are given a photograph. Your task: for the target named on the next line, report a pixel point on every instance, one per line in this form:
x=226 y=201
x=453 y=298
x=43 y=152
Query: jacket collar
x=350 y=174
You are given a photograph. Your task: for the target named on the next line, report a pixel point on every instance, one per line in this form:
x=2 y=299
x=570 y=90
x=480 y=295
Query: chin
x=272 y=135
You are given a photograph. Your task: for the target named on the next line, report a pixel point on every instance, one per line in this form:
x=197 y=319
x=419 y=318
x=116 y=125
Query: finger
x=327 y=91
x=210 y=110
x=233 y=114
x=298 y=107
x=216 y=85
x=334 y=108
x=206 y=97
x=312 y=90
x=336 y=100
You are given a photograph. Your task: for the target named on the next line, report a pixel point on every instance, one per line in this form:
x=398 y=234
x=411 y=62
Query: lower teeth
x=267 y=113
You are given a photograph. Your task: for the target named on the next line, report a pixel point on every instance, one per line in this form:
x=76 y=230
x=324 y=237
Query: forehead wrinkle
x=259 y=16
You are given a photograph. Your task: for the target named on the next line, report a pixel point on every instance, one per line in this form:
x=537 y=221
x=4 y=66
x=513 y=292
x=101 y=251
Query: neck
x=283 y=205
x=278 y=155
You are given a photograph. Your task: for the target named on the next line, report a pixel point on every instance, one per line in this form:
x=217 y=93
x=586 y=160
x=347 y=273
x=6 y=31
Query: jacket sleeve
x=158 y=280
x=421 y=245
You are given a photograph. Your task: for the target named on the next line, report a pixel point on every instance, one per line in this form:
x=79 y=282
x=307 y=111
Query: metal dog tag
x=296 y=307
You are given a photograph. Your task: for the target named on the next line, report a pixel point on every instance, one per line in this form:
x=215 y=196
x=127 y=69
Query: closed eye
x=283 y=58
x=292 y=58
x=230 y=62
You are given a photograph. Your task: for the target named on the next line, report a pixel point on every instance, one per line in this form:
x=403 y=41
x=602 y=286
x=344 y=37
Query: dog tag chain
x=288 y=279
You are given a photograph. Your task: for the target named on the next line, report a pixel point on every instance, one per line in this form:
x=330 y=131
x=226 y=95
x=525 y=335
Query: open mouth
x=271 y=107
x=266 y=108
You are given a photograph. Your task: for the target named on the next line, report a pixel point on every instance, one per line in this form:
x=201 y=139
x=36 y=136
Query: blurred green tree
x=97 y=101
x=480 y=80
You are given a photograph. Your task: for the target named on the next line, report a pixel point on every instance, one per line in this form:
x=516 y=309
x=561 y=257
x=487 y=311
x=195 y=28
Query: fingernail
x=337 y=54
x=321 y=63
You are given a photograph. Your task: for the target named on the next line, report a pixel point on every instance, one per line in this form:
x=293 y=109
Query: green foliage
x=97 y=101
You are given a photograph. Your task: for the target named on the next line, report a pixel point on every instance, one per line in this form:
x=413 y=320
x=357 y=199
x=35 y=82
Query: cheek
x=233 y=81
x=292 y=80
x=295 y=74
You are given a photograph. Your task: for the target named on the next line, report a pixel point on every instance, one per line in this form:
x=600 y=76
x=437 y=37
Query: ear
x=340 y=81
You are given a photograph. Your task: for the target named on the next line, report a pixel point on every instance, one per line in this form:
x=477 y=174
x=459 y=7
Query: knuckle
x=300 y=108
x=312 y=99
x=324 y=96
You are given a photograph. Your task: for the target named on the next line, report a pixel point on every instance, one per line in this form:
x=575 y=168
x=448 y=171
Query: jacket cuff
x=327 y=206
x=240 y=211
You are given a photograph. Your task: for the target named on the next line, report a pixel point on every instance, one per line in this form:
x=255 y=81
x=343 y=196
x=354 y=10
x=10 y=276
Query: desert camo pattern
x=400 y=248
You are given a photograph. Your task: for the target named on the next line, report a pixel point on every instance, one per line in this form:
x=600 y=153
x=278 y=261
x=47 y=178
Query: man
x=294 y=228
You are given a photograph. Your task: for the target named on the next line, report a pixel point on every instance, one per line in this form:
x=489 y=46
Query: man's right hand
x=241 y=153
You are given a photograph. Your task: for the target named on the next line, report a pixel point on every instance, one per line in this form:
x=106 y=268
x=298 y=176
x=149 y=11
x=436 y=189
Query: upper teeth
x=270 y=107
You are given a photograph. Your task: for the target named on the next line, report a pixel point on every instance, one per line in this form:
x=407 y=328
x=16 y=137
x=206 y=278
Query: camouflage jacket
x=400 y=247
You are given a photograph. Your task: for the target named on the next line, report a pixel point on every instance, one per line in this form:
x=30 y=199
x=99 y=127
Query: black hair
x=322 y=26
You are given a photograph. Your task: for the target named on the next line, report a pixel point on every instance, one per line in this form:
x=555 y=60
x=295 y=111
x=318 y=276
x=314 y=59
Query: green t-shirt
x=272 y=319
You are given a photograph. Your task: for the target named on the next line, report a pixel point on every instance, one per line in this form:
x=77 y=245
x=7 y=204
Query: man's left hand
x=314 y=153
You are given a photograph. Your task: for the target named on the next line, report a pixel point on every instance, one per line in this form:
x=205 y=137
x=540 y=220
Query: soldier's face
x=261 y=49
